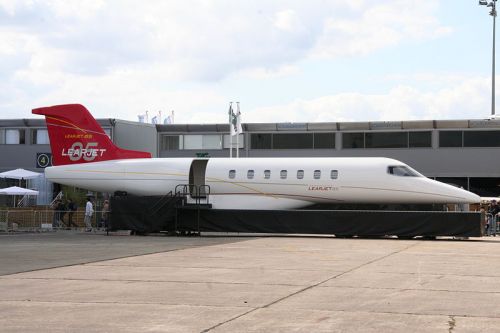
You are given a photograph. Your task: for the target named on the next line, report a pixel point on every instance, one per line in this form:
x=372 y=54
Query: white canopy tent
x=14 y=190
x=19 y=174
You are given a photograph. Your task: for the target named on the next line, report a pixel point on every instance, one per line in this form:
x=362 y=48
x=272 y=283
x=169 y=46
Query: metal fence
x=46 y=220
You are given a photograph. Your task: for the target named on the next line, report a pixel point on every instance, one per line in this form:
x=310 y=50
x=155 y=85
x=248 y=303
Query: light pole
x=493 y=13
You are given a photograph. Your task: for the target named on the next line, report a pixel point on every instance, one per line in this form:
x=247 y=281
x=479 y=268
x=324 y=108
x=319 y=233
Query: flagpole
x=237 y=132
x=230 y=134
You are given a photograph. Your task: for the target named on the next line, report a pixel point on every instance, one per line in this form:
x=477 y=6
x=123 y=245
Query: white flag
x=239 y=129
x=235 y=121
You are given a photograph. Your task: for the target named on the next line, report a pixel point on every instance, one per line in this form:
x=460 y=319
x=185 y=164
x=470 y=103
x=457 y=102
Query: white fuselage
x=265 y=183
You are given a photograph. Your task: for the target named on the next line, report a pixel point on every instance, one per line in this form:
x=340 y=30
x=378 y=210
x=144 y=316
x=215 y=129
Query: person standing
x=493 y=210
x=105 y=214
x=56 y=216
x=89 y=210
x=71 y=211
x=61 y=208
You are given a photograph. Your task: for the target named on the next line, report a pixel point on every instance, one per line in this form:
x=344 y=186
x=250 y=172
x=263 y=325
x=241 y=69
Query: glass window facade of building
x=469 y=139
x=39 y=137
x=203 y=141
x=320 y=140
x=261 y=141
x=226 y=141
x=381 y=140
x=292 y=140
x=481 y=138
x=12 y=136
x=170 y=142
x=421 y=139
x=353 y=140
x=191 y=142
x=449 y=139
x=324 y=140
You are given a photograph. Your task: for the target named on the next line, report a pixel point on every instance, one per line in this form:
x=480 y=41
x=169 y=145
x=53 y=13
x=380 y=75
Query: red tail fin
x=76 y=137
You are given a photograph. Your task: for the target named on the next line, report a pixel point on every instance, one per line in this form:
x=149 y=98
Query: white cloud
x=209 y=40
x=287 y=20
x=386 y=23
x=467 y=98
x=261 y=73
x=122 y=57
x=128 y=93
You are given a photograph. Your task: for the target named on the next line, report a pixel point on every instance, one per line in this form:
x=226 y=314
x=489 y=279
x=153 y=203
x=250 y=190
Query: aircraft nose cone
x=471 y=197
x=466 y=196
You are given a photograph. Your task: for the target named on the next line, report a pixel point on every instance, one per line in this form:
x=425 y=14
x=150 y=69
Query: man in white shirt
x=89 y=210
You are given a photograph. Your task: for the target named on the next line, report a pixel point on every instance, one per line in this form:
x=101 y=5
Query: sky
x=284 y=61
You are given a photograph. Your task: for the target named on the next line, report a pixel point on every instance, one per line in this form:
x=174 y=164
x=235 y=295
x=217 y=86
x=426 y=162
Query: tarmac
x=89 y=282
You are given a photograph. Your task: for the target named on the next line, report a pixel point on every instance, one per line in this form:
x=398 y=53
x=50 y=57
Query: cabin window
x=283 y=174
x=250 y=174
x=300 y=174
x=317 y=174
x=232 y=174
x=334 y=174
x=267 y=174
x=402 y=171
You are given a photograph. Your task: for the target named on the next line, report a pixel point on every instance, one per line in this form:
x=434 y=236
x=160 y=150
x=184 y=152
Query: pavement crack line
x=146 y=281
x=309 y=287
x=452 y=324
x=87 y=262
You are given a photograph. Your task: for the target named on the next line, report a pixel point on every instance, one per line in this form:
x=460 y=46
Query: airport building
x=461 y=152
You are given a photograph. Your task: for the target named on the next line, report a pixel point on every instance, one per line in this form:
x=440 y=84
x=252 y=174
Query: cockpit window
x=402 y=171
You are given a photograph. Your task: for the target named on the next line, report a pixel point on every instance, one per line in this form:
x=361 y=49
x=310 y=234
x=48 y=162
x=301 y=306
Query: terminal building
x=465 y=153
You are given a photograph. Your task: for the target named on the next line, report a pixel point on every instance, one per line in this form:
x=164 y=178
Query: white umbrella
x=19 y=174
x=14 y=190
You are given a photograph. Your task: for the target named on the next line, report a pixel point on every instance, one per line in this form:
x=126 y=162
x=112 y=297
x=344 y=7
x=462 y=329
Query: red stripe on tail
x=76 y=137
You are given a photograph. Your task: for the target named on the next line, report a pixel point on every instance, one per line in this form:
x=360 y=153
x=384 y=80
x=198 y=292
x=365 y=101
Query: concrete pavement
x=269 y=284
